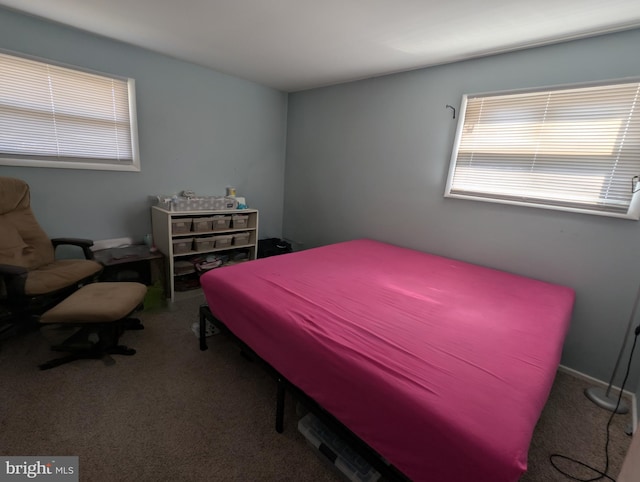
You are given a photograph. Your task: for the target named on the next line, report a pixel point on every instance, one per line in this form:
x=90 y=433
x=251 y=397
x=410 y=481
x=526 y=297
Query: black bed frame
x=387 y=471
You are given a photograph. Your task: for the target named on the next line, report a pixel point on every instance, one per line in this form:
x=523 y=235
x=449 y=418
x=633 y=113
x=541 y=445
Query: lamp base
x=599 y=396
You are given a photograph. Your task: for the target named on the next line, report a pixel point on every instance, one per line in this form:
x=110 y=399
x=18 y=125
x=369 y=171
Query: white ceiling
x=294 y=45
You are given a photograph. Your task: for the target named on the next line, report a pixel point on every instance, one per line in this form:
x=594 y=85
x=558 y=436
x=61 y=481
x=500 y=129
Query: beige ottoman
x=101 y=311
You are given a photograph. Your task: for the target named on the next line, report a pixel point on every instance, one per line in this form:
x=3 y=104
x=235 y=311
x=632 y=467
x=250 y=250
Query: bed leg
x=280 y=406
x=203 y=327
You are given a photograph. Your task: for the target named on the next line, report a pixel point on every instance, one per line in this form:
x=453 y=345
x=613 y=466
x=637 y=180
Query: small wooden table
x=135 y=262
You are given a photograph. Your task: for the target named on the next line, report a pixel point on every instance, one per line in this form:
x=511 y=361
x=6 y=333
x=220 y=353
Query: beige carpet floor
x=174 y=413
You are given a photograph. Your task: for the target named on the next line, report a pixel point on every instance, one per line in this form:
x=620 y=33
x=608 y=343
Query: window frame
x=633 y=211
x=31 y=160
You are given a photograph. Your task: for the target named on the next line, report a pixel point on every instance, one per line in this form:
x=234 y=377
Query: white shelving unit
x=166 y=237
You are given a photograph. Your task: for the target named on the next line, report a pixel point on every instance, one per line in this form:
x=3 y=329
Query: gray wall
x=198 y=130
x=370 y=159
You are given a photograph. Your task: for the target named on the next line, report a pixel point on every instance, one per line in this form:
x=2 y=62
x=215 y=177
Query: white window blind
x=571 y=148
x=55 y=116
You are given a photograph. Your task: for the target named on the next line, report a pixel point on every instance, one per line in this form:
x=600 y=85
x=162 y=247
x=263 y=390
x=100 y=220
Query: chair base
x=102 y=312
x=106 y=356
x=95 y=341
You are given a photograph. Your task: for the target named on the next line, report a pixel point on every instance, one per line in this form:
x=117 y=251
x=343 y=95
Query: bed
x=439 y=366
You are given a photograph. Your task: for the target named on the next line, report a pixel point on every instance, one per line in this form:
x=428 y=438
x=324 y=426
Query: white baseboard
x=626 y=393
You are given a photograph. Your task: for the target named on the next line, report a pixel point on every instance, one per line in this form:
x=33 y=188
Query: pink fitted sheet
x=442 y=367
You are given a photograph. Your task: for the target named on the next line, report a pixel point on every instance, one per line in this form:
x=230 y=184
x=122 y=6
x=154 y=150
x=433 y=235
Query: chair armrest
x=15 y=278
x=11 y=270
x=85 y=244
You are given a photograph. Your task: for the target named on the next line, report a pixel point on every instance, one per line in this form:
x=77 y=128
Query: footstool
x=102 y=312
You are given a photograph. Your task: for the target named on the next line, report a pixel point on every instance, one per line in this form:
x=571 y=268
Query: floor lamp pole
x=602 y=397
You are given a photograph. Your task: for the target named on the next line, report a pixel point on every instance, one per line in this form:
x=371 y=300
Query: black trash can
x=273 y=247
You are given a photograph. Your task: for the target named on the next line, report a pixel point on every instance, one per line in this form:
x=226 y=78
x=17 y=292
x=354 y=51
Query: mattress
x=441 y=366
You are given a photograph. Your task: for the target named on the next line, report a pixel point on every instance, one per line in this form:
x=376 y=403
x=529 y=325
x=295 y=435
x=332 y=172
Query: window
x=54 y=116
x=570 y=148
